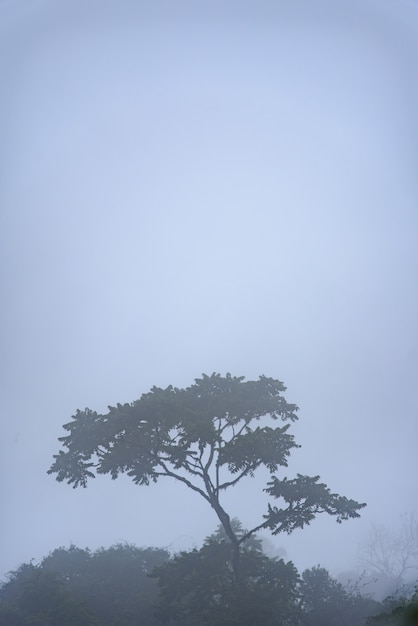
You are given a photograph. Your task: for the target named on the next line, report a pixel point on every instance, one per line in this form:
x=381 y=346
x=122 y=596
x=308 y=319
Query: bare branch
x=188 y=483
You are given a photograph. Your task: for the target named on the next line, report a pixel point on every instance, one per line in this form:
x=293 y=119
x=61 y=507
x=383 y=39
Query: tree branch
x=252 y=531
x=247 y=470
x=189 y=484
x=235 y=434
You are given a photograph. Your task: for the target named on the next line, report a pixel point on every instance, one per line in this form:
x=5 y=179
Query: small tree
x=209 y=436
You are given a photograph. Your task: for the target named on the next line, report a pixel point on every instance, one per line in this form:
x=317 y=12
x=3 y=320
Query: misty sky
x=191 y=187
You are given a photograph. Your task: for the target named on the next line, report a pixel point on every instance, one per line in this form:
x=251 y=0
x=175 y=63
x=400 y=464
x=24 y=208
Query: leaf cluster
x=304 y=497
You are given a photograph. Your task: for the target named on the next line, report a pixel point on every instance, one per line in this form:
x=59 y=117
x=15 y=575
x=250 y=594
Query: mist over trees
x=190 y=186
x=389 y=557
x=125 y=585
x=207 y=437
x=77 y=587
x=202 y=185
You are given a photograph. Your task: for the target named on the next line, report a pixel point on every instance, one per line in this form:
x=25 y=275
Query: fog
x=195 y=187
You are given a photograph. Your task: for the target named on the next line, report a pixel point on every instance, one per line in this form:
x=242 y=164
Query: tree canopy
x=126 y=585
x=209 y=436
x=326 y=601
x=77 y=587
x=198 y=587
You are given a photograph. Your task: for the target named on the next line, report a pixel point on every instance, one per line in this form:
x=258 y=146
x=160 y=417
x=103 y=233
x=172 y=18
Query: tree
x=209 y=436
x=391 y=556
x=198 y=587
x=75 y=587
x=397 y=611
x=121 y=592
x=38 y=597
x=325 y=601
x=220 y=536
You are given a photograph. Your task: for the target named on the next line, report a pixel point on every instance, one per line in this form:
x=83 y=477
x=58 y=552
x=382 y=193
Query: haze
x=196 y=187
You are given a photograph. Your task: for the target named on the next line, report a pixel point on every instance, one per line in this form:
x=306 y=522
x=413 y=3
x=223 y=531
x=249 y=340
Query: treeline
x=125 y=585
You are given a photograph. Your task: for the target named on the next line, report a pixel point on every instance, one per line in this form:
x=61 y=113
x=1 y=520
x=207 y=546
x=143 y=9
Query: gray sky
x=191 y=187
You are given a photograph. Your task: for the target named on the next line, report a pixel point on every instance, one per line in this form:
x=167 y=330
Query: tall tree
x=209 y=436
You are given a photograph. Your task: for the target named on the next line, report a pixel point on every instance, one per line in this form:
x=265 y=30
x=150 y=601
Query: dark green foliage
x=199 y=588
x=121 y=575
x=208 y=436
x=325 y=601
x=129 y=586
x=397 y=611
x=305 y=497
x=173 y=428
x=74 y=587
x=37 y=597
x=251 y=543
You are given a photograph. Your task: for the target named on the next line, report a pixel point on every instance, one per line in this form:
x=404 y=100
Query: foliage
x=397 y=611
x=305 y=497
x=74 y=587
x=38 y=597
x=251 y=543
x=325 y=601
x=198 y=587
x=129 y=586
x=209 y=436
x=122 y=587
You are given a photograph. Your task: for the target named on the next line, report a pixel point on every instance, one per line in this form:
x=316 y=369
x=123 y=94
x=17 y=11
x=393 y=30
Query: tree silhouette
x=209 y=436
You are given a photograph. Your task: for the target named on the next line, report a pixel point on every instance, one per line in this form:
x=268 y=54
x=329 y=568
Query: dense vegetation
x=76 y=587
x=129 y=586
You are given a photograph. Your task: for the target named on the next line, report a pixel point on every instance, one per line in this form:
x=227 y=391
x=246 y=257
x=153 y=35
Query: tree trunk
x=226 y=523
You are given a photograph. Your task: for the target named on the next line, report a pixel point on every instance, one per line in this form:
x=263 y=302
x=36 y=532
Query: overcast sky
x=191 y=187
